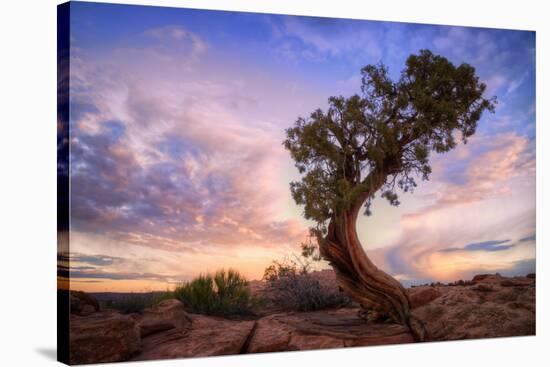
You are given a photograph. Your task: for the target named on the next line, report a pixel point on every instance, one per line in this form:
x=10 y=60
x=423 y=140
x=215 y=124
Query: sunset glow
x=177 y=164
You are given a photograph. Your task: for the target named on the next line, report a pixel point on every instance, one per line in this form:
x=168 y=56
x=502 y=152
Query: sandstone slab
x=164 y=316
x=322 y=329
x=206 y=336
x=420 y=296
x=102 y=337
x=492 y=307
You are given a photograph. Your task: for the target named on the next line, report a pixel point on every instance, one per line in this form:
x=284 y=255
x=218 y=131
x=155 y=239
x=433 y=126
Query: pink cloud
x=187 y=170
x=490 y=202
x=507 y=156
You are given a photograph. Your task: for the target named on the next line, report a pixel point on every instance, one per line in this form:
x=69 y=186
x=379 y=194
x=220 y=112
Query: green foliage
x=136 y=303
x=383 y=138
x=224 y=293
x=198 y=295
x=310 y=251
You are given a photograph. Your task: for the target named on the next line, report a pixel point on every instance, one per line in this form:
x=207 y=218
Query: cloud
x=179 y=169
x=529 y=238
x=418 y=263
x=520 y=267
x=481 y=246
x=494 y=83
x=104 y=267
x=76 y=274
x=516 y=83
x=77 y=263
x=177 y=160
x=175 y=34
x=315 y=39
x=478 y=192
x=97 y=260
x=501 y=67
x=463 y=43
x=479 y=170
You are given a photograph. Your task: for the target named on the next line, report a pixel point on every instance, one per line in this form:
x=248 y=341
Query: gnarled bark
x=355 y=272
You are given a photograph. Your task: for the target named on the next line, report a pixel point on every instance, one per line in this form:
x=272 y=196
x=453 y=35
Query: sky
x=177 y=118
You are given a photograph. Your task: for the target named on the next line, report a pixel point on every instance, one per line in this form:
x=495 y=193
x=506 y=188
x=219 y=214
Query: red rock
x=322 y=329
x=485 y=310
x=269 y=335
x=487 y=278
x=83 y=304
x=480 y=277
x=489 y=306
x=166 y=315
x=483 y=288
x=311 y=342
x=420 y=296
x=207 y=336
x=516 y=282
x=401 y=337
x=102 y=337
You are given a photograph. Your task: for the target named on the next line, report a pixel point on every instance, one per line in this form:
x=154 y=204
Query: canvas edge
x=63 y=201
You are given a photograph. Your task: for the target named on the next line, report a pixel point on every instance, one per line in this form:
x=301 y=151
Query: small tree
x=379 y=141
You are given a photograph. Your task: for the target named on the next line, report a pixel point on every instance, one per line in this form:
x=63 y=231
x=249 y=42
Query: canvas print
x=233 y=183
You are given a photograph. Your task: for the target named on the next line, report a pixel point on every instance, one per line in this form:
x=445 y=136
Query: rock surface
x=493 y=306
x=206 y=336
x=487 y=306
x=322 y=329
x=102 y=337
x=420 y=296
x=164 y=316
x=83 y=304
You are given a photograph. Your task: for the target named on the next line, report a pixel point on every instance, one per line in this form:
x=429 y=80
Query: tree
x=380 y=140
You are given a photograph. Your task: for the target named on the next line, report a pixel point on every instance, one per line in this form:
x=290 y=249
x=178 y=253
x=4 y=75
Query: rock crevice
x=488 y=306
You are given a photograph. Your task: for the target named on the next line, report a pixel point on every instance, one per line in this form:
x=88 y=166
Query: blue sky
x=177 y=120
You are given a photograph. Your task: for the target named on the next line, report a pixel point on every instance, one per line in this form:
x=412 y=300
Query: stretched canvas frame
x=147 y=175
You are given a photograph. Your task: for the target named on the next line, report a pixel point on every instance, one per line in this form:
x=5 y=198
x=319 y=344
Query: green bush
x=225 y=293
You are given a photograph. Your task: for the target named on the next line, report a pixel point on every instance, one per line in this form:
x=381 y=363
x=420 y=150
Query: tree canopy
x=388 y=130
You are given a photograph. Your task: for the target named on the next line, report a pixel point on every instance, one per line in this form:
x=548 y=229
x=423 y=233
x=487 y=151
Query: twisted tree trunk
x=371 y=287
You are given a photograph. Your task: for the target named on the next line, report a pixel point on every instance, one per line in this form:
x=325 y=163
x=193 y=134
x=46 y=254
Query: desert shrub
x=303 y=292
x=137 y=302
x=225 y=293
x=282 y=269
x=294 y=265
x=295 y=288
